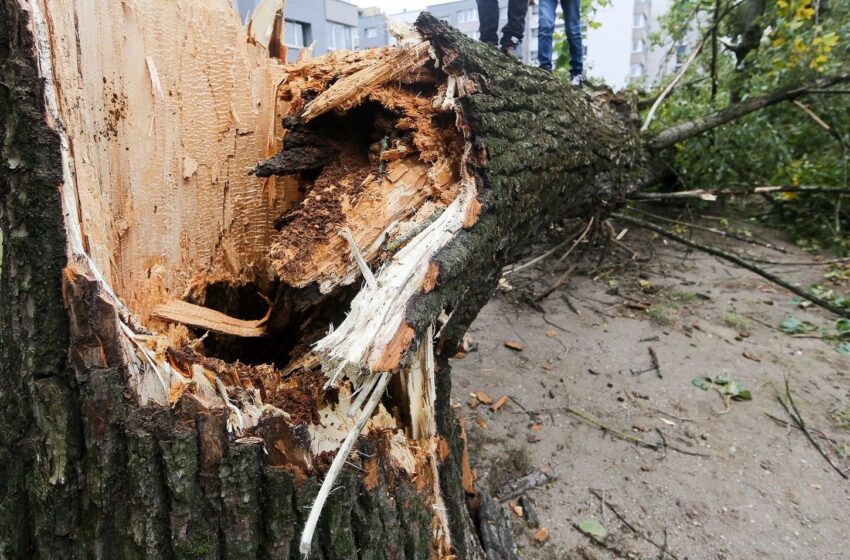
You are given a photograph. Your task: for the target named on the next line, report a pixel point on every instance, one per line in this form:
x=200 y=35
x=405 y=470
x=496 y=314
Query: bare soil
x=761 y=490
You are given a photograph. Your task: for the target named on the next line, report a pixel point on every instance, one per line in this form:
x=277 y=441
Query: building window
x=637 y=70
x=638 y=45
x=467 y=16
x=293 y=34
x=340 y=37
x=371 y=32
x=640 y=21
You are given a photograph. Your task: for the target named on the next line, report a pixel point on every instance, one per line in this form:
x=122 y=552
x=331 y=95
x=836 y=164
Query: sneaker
x=576 y=80
x=511 y=47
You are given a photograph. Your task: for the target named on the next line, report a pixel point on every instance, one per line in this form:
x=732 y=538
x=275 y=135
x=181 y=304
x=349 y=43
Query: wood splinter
x=179 y=311
x=338 y=462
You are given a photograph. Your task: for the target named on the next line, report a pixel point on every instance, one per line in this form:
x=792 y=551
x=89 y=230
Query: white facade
x=619 y=51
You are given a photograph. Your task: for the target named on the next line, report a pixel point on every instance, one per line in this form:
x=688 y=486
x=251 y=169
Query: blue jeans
x=572 y=26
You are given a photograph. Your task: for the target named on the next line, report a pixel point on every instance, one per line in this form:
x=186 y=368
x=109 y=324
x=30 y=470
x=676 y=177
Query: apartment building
x=618 y=51
x=326 y=24
x=463 y=14
x=373 y=29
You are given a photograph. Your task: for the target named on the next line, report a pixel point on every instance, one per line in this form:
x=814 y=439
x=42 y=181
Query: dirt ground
x=740 y=483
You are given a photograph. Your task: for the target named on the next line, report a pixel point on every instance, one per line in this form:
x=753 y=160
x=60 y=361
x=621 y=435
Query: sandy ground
x=746 y=486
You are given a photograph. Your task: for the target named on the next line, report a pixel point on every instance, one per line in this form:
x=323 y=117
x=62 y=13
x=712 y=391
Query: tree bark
x=225 y=459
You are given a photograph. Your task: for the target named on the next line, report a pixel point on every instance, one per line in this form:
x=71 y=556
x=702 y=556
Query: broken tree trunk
x=189 y=337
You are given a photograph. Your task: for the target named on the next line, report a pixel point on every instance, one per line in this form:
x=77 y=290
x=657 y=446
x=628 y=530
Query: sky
x=395 y=6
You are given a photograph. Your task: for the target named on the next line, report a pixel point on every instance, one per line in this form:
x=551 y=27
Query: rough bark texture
x=88 y=473
x=541 y=152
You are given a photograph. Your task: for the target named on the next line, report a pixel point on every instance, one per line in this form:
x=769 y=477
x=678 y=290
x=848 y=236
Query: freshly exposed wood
x=179 y=311
x=352 y=89
x=446 y=171
x=148 y=171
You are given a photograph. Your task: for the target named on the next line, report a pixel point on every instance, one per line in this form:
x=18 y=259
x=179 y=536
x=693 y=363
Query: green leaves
x=729 y=389
x=779 y=145
x=840 y=333
x=590 y=526
x=793 y=325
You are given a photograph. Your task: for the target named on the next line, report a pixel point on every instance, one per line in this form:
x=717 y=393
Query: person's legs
x=545 y=30
x=572 y=19
x=488 y=21
x=515 y=27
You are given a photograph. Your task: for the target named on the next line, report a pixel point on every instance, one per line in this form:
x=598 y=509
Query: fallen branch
x=519 y=487
x=736 y=260
x=683 y=131
x=711 y=195
x=715 y=231
x=671 y=85
x=802 y=263
x=566 y=275
x=516 y=268
x=626 y=437
x=632 y=528
x=792 y=410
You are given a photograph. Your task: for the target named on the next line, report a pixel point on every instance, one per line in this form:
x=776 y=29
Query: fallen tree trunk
x=230 y=333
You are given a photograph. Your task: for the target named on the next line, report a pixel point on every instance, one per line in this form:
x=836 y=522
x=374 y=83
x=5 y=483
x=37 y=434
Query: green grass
x=737 y=321
x=841 y=416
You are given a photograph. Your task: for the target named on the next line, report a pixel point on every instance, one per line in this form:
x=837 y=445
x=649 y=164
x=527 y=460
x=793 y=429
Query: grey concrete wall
x=380 y=24
x=311 y=14
x=314 y=15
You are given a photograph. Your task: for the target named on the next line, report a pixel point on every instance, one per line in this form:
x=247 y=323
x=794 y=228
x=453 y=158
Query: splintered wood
x=352 y=89
x=373 y=154
x=208 y=319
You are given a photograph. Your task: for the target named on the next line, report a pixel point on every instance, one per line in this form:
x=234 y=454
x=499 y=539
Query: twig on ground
x=792 y=410
x=655 y=363
x=788 y=424
x=653 y=360
x=613 y=238
x=553 y=324
x=655 y=408
x=558 y=283
x=524 y=410
x=844 y=260
x=632 y=528
x=575 y=244
x=571 y=305
x=712 y=230
x=516 y=268
x=626 y=437
x=736 y=260
x=520 y=486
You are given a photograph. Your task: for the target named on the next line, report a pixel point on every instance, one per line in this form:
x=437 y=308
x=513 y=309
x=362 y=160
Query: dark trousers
x=488 y=18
